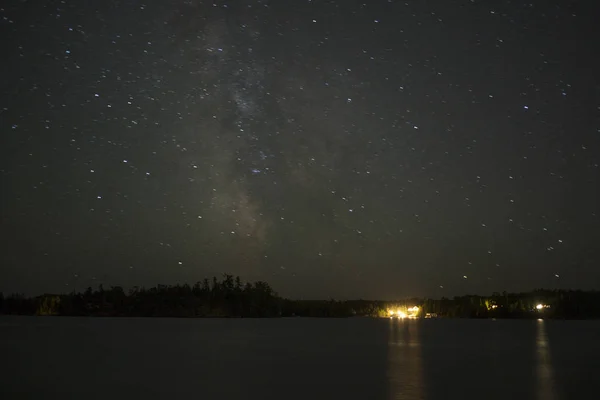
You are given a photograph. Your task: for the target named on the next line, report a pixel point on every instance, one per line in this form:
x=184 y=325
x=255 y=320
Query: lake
x=299 y=358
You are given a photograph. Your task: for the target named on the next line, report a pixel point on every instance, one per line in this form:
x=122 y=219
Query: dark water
x=93 y=358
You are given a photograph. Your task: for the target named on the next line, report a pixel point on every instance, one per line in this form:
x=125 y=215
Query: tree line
x=540 y=303
x=230 y=297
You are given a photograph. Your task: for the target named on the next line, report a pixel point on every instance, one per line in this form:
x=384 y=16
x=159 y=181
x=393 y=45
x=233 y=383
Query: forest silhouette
x=230 y=297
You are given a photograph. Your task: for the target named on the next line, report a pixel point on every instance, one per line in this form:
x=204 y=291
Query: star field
x=334 y=149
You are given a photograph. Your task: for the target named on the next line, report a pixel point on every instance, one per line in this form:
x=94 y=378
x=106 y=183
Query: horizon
x=127 y=290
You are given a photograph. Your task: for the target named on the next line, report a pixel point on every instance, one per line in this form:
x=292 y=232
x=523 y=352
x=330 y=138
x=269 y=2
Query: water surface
x=301 y=358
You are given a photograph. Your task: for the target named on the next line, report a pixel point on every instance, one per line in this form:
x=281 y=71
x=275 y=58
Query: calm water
x=93 y=358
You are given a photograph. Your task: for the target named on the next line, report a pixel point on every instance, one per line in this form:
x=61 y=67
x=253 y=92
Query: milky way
x=333 y=149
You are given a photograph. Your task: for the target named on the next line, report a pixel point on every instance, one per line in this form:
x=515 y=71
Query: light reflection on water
x=441 y=359
x=405 y=374
x=544 y=374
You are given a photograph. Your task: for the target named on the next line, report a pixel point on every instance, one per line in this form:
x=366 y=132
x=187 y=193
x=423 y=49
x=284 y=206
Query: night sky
x=331 y=148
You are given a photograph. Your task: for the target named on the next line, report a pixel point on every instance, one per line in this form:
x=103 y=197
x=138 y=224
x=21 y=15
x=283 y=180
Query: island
x=229 y=297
